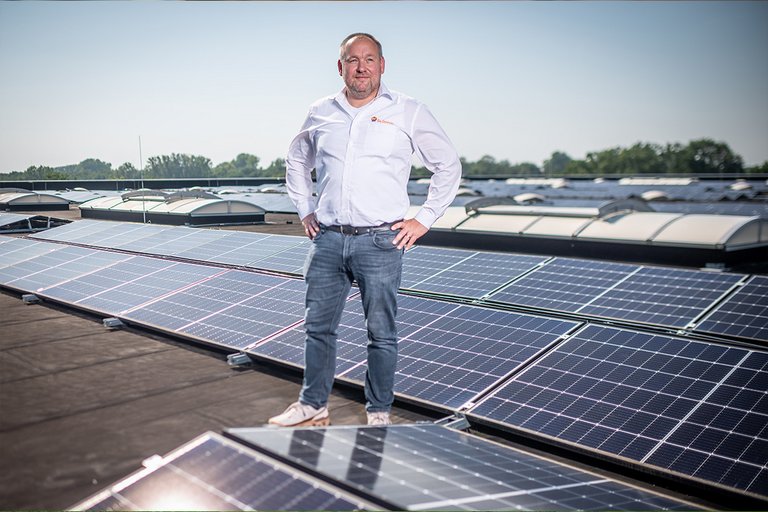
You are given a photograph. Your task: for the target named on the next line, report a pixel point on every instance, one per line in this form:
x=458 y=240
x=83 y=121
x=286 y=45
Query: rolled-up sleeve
x=298 y=170
x=436 y=151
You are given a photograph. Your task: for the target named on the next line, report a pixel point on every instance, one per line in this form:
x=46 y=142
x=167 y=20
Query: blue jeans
x=334 y=261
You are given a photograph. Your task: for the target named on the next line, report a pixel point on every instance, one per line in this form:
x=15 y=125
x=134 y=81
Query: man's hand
x=311 y=226
x=410 y=231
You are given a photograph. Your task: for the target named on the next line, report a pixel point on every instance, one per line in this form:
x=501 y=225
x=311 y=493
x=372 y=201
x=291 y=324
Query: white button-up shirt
x=362 y=159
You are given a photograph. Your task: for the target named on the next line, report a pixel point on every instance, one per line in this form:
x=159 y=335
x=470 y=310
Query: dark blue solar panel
x=744 y=314
x=564 y=284
x=449 y=354
x=213 y=473
x=639 y=396
x=429 y=467
x=421 y=262
x=662 y=296
x=463 y=273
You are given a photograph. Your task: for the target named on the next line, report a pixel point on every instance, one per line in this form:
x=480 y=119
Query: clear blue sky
x=515 y=80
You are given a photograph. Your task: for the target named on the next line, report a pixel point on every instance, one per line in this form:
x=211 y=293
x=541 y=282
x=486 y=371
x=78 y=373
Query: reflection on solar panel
x=290 y=260
x=430 y=467
x=54 y=267
x=214 y=473
x=234 y=309
x=128 y=284
x=744 y=314
x=15 y=250
x=73 y=231
x=462 y=273
x=652 y=295
x=643 y=396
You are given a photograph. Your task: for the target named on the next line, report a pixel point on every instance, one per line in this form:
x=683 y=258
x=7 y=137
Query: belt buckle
x=347 y=230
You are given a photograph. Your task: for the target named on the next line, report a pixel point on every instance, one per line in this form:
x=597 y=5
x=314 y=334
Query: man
x=360 y=143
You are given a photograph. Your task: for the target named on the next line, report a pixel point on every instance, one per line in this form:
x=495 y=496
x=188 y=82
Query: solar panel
x=662 y=296
x=637 y=395
x=744 y=314
x=288 y=346
x=651 y=295
x=234 y=309
x=430 y=467
x=422 y=262
x=290 y=260
x=130 y=283
x=55 y=267
x=15 y=250
x=463 y=273
x=214 y=473
x=564 y=284
x=449 y=354
x=74 y=230
x=225 y=249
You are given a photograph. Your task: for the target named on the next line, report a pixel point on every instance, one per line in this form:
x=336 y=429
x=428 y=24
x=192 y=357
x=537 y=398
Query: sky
x=514 y=80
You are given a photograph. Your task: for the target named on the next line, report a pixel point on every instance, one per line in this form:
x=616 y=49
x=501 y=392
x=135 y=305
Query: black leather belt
x=359 y=230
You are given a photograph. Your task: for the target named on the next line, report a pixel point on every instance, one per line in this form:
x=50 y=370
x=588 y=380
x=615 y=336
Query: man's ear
x=382 y=65
x=338 y=63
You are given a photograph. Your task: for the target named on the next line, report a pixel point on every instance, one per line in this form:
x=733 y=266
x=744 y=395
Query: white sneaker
x=378 y=418
x=302 y=415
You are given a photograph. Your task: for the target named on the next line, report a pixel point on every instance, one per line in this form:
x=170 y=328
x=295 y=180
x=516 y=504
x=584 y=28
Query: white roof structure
x=709 y=231
x=27 y=200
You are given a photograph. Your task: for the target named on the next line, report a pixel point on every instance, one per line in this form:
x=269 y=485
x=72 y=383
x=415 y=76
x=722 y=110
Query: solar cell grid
x=290 y=260
x=639 y=396
x=213 y=473
x=661 y=296
x=224 y=249
x=744 y=314
x=563 y=284
x=16 y=250
x=56 y=267
x=473 y=276
x=74 y=230
x=421 y=262
x=449 y=354
x=273 y=305
x=429 y=467
x=130 y=283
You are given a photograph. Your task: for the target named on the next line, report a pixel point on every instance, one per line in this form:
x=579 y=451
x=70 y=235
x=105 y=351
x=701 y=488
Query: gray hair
x=359 y=34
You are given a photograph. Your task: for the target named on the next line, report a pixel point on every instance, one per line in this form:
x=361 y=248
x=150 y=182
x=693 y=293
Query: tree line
x=703 y=156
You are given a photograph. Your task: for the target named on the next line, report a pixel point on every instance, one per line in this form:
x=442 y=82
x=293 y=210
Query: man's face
x=361 y=67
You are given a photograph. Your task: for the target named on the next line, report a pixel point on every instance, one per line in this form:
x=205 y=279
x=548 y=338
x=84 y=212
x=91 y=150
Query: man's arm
x=298 y=178
x=436 y=151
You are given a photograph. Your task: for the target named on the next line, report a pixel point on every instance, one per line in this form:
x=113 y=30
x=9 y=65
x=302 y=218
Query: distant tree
x=178 y=166
x=126 y=172
x=43 y=172
x=243 y=165
x=275 y=170
x=707 y=156
x=758 y=169
x=556 y=165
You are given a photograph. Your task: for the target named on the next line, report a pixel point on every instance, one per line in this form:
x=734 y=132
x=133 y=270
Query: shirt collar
x=341 y=98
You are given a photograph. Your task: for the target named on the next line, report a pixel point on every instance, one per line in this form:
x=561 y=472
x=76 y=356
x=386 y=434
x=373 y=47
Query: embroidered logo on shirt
x=379 y=120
